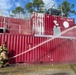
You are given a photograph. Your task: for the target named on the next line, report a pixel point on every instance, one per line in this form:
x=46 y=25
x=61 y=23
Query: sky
x=6 y=6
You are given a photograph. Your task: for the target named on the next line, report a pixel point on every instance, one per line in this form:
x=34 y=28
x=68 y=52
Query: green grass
x=28 y=69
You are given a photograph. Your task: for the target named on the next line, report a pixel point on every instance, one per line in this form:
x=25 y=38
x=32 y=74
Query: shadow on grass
x=60 y=74
x=3 y=73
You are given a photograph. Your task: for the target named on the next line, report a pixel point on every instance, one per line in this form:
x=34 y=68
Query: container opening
x=1 y=30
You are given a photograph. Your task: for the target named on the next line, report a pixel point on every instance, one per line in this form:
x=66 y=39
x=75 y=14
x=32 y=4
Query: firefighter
x=3 y=55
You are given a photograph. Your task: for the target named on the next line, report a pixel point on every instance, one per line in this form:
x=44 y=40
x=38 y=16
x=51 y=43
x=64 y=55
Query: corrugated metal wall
x=56 y=50
x=45 y=23
x=15 y=26
x=1 y=21
x=39 y=23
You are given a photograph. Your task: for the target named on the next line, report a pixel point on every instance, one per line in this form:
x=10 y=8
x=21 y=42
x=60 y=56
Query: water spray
x=51 y=36
x=43 y=42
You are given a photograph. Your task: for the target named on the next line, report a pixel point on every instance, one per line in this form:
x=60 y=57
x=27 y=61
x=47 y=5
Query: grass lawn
x=23 y=69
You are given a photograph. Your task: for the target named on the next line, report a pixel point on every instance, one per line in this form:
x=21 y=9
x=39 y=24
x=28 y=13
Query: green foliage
x=29 y=7
x=34 y=6
x=67 y=8
x=18 y=10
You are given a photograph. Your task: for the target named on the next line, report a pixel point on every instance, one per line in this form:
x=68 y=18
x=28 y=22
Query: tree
x=67 y=8
x=18 y=11
x=29 y=7
x=34 y=6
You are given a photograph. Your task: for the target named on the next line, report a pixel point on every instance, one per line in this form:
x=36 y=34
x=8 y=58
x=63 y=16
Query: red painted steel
x=57 y=50
x=1 y=21
x=44 y=23
x=26 y=29
x=54 y=51
x=48 y=24
x=71 y=33
x=15 y=26
x=39 y=24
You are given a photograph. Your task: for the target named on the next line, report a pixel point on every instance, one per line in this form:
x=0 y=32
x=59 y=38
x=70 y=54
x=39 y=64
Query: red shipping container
x=38 y=23
x=48 y=24
x=57 y=50
x=15 y=26
x=2 y=22
x=45 y=23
